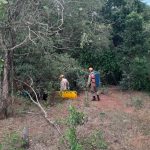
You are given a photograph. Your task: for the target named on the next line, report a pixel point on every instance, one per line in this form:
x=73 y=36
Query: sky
x=146 y=1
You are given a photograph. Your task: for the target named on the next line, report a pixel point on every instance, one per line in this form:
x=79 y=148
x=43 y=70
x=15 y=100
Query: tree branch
x=20 y=44
x=52 y=123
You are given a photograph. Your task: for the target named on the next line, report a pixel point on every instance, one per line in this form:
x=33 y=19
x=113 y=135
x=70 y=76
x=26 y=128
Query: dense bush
x=138 y=75
x=110 y=36
x=46 y=72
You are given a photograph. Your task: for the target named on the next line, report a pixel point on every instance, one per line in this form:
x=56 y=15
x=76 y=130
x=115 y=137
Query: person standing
x=93 y=83
x=64 y=84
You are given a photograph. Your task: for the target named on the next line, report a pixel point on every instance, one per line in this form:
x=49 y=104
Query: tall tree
x=24 y=22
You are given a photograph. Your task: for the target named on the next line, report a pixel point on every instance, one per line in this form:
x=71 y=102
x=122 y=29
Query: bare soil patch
x=125 y=126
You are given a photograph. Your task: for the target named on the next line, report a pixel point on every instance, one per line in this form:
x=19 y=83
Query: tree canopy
x=45 y=38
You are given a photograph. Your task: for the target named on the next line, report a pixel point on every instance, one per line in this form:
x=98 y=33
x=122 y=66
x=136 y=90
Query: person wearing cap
x=64 y=84
x=91 y=83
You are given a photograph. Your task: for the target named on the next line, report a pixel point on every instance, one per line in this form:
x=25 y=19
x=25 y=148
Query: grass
x=136 y=102
x=105 y=129
x=95 y=141
x=12 y=141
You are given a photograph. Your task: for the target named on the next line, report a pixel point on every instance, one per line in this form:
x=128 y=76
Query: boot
x=94 y=98
x=98 y=98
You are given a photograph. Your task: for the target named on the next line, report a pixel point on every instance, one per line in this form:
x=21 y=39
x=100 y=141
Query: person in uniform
x=92 y=84
x=64 y=84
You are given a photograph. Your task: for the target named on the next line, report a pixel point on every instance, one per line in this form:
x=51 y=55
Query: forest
x=42 y=39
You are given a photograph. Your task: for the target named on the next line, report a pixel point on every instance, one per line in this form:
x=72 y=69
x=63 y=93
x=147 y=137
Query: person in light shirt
x=64 y=84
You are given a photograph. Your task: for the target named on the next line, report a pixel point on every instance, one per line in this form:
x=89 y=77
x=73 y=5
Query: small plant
x=46 y=104
x=72 y=139
x=0 y=146
x=75 y=118
x=136 y=102
x=102 y=115
x=12 y=141
x=95 y=141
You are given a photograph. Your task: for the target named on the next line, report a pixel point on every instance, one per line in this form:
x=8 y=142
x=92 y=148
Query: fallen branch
x=36 y=102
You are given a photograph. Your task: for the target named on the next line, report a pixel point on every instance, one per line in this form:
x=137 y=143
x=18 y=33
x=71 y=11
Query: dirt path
x=115 y=99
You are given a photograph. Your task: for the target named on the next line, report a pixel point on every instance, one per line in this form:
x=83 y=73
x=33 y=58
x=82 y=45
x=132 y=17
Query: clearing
x=123 y=118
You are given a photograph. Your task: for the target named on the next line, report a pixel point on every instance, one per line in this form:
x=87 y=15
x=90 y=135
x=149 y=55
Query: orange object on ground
x=68 y=94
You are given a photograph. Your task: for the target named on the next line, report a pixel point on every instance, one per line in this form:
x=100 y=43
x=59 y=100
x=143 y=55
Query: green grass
x=96 y=141
x=136 y=102
x=12 y=141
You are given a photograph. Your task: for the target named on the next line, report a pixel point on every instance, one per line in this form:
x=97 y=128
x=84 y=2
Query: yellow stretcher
x=68 y=94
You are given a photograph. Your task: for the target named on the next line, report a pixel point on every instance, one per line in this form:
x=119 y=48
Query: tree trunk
x=7 y=81
x=0 y=87
x=4 y=98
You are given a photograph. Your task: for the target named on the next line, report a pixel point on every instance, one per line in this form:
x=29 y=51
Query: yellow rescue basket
x=68 y=94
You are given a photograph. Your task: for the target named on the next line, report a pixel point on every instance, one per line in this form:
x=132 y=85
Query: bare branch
x=42 y=109
x=62 y=12
x=30 y=36
x=39 y=36
x=20 y=44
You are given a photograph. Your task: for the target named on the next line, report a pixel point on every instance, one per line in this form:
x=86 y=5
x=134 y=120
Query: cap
x=61 y=76
x=90 y=69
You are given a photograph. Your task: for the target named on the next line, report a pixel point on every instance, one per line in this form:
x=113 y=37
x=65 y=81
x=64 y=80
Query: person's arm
x=89 y=81
x=60 y=85
x=68 y=85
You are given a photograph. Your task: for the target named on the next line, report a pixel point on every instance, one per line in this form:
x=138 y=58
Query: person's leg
x=98 y=97
x=93 y=97
x=97 y=94
x=93 y=93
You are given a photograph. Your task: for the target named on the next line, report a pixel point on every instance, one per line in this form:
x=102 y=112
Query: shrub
x=138 y=75
x=95 y=141
x=12 y=141
x=136 y=102
x=75 y=118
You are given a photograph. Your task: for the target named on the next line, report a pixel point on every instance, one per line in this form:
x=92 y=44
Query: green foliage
x=137 y=76
x=134 y=38
x=12 y=141
x=91 y=36
x=95 y=141
x=125 y=83
x=72 y=139
x=3 y=2
x=108 y=35
x=75 y=118
x=130 y=37
x=2 y=9
x=52 y=66
x=140 y=73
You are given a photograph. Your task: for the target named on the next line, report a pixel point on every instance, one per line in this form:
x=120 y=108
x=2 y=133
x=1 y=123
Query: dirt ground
x=123 y=117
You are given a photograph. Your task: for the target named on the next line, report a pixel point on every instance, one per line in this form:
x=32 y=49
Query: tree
x=25 y=22
x=1 y=69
